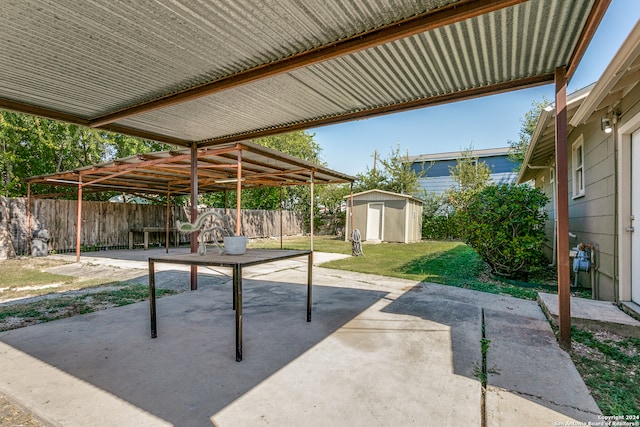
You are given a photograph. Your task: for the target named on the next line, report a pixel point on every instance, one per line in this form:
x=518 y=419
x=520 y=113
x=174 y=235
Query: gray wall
x=592 y=216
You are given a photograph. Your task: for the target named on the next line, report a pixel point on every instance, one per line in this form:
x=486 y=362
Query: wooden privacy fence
x=106 y=225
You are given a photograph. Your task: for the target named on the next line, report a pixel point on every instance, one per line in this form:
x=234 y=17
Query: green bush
x=439 y=221
x=505 y=225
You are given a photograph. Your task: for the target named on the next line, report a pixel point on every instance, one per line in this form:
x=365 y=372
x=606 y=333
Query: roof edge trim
x=629 y=50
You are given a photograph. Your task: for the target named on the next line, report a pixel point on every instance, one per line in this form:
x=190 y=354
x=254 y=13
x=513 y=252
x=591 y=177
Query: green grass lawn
x=610 y=366
x=447 y=263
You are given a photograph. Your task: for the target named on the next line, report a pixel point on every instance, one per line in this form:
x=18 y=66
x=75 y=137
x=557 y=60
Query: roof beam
x=22 y=107
x=152 y=136
x=452 y=13
x=593 y=21
x=47 y=113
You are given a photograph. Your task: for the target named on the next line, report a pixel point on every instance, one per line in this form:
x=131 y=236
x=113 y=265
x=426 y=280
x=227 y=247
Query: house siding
x=592 y=216
x=438 y=172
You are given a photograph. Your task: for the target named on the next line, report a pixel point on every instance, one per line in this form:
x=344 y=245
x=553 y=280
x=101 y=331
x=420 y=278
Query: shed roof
x=186 y=72
x=383 y=193
x=170 y=171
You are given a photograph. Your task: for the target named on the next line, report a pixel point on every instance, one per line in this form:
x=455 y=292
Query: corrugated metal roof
x=170 y=171
x=376 y=195
x=221 y=71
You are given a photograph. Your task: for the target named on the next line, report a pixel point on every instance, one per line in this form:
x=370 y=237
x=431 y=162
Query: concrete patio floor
x=378 y=352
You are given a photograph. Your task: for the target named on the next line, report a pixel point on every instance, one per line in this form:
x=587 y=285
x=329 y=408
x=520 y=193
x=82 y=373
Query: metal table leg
x=237 y=288
x=152 y=299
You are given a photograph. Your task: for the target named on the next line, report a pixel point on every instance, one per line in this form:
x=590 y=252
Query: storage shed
x=385 y=216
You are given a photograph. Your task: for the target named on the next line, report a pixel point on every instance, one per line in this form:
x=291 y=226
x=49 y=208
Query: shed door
x=374 y=221
x=635 y=213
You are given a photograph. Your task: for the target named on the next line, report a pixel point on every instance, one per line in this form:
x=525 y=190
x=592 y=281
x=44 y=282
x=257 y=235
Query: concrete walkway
x=378 y=352
x=591 y=314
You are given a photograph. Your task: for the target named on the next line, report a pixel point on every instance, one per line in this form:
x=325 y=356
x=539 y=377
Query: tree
x=370 y=180
x=401 y=178
x=471 y=175
x=31 y=145
x=331 y=197
x=528 y=126
x=396 y=175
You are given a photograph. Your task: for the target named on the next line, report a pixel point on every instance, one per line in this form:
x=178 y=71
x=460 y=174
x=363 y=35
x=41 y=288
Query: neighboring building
x=438 y=168
x=604 y=194
x=385 y=216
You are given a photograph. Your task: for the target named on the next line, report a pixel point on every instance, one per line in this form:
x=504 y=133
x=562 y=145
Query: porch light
x=605 y=125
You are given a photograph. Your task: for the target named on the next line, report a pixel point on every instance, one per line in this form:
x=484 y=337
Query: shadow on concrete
x=463 y=320
x=189 y=372
x=525 y=366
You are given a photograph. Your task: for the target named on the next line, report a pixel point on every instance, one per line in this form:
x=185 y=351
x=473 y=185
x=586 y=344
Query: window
x=577 y=168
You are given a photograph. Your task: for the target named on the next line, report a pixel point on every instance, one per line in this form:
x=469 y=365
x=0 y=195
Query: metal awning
x=185 y=72
x=169 y=172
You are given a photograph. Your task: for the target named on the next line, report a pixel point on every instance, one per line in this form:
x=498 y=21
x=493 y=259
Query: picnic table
x=148 y=230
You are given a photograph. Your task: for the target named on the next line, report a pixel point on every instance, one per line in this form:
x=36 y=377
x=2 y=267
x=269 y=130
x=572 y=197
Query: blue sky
x=487 y=122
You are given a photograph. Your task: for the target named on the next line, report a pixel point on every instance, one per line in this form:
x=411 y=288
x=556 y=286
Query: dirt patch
x=12 y=415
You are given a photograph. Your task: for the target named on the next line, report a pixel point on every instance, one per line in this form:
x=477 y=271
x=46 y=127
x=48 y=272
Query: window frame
x=577 y=168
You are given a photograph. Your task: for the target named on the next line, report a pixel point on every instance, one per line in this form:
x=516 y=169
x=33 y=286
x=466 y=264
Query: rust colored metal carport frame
x=195 y=155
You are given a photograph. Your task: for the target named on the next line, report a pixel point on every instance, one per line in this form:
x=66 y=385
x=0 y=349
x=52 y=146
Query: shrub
x=505 y=225
x=438 y=218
